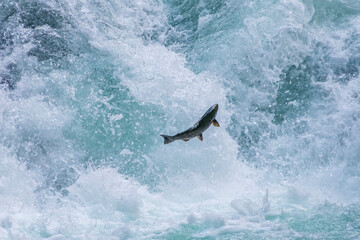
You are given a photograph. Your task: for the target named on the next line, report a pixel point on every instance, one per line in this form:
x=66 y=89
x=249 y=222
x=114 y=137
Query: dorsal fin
x=200 y=137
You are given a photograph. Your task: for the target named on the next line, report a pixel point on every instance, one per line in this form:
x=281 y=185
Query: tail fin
x=167 y=139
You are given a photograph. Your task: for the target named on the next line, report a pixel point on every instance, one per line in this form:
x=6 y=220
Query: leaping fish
x=196 y=131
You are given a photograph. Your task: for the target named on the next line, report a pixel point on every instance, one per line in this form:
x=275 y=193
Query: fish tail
x=167 y=139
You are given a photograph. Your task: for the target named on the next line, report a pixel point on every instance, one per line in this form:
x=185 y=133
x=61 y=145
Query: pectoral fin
x=200 y=137
x=215 y=123
x=186 y=139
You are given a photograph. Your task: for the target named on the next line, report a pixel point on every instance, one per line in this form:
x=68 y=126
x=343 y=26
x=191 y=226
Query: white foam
x=116 y=117
x=211 y=219
x=3 y=234
x=57 y=237
x=126 y=152
x=248 y=208
x=107 y=191
x=203 y=179
x=17 y=195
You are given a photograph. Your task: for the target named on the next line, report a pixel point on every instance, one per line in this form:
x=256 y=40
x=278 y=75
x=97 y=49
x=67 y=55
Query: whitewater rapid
x=88 y=86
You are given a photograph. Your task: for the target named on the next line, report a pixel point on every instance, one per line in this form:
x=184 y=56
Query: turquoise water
x=88 y=86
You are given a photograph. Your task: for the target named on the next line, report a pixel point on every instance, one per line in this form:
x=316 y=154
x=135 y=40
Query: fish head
x=213 y=109
x=215 y=106
x=210 y=114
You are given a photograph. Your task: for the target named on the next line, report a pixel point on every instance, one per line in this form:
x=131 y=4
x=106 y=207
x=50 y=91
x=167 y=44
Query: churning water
x=87 y=87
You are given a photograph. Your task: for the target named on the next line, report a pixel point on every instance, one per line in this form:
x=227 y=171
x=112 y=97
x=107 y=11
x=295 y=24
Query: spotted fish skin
x=196 y=131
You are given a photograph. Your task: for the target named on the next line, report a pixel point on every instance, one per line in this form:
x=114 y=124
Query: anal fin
x=215 y=123
x=200 y=137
